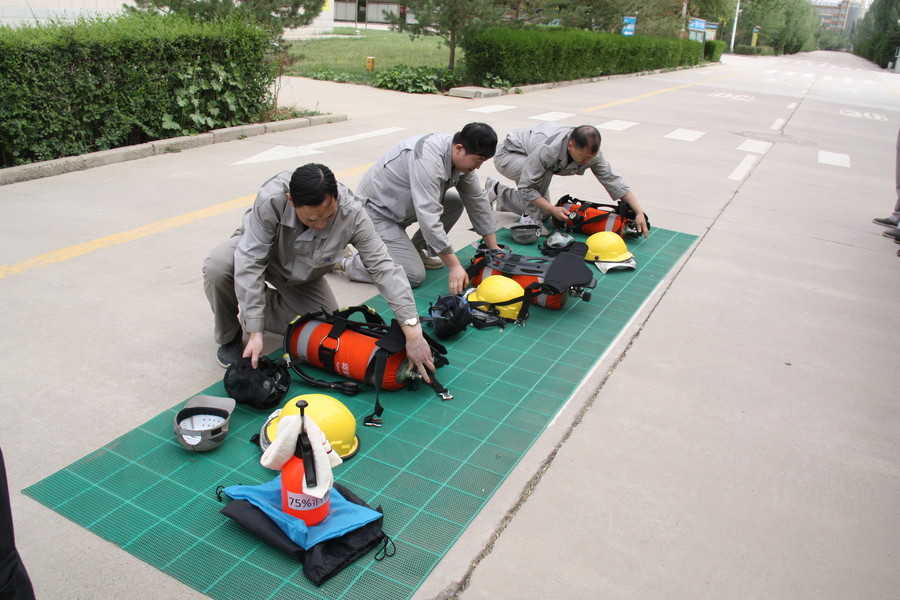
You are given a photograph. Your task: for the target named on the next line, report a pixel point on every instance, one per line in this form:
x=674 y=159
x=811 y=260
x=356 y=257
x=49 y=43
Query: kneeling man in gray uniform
x=412 y=183
x=533 y=155
x=272 y=268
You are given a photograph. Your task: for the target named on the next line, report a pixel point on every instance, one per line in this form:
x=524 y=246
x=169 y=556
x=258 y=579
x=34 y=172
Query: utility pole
x=737 y=11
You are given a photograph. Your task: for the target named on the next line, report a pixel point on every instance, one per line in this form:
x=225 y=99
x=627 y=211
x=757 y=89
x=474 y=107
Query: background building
x=839 y=15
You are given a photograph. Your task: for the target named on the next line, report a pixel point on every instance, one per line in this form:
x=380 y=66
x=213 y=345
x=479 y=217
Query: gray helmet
x=202 y=423
x=525 y=234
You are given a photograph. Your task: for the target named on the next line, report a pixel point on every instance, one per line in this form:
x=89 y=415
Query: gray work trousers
x=403 y=250
x=284 y=301
x=510 y=165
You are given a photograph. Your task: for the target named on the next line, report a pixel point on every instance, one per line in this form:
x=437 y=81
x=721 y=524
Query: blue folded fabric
x=343 y=516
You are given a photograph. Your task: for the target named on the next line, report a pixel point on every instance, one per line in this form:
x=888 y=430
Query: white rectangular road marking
x=283 y=152
x=755 y=146
x=616 y=125
x=491 y=108
x=552 y=116
x=685 y=135
x=792 y=106
x=834 y=158
x=742 y=169
x=777 y=125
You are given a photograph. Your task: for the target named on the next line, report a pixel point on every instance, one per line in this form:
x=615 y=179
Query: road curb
x=68 y=164
x=483 y=92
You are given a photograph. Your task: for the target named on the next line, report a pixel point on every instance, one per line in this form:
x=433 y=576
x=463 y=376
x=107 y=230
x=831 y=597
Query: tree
x=877 y=35
x=450 y=20
x=831 y=40
x=655 y=18
x=715 y=11
x=788 y=26
x=275 y=14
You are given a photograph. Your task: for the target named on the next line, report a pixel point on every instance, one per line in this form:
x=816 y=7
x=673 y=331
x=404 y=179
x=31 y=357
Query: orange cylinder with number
x=353 y=353
x=294 y=501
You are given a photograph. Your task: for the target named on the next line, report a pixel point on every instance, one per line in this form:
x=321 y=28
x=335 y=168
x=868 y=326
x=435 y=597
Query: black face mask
x=450 y=315
x=263 y=387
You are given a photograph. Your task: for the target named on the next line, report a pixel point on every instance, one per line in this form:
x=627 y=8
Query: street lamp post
x=737 y=11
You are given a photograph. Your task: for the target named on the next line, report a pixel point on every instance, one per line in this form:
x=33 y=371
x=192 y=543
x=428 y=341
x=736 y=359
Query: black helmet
x=263 y=387
x=450 y=315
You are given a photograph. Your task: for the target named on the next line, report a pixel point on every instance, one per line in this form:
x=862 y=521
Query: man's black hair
x=311 y=184
x=477 y=138
x=586 y=137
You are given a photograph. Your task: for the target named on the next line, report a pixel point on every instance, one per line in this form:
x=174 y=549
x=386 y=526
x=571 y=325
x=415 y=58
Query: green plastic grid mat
x=432 y=466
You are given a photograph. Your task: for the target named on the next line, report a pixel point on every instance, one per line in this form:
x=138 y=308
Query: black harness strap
x=391 y=343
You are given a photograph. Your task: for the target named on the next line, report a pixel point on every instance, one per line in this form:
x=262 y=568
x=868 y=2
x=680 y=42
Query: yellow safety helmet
x=333 y=418
x=607 y=246
x=495 y=289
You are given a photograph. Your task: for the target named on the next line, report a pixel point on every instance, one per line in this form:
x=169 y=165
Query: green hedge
x=69 y=89
x=526 y=56
x=754 y=50
x=713 y=49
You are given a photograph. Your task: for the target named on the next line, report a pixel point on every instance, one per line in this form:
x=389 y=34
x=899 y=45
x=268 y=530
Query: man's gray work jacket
x=408 y=183
x=546 y=146
x=276 y=247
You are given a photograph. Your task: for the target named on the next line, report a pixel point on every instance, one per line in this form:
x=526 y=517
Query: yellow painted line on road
x=890 y=87
x=64 y=254
x=665 y=90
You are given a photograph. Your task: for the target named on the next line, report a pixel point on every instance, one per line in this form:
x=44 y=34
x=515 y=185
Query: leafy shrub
x=68 y=89
x=448 y=79
x=403 y=78
x=495 y=82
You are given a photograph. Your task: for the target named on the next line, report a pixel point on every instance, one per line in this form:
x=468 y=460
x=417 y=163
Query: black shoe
x=230 y=352
x=892 y=233
x=886 y=222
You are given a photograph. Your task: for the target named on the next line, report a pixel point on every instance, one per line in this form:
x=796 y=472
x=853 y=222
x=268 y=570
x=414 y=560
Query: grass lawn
x=344 y=58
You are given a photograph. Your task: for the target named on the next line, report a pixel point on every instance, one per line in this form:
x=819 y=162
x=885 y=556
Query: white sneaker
x=431 y=263
x=529 y=220
x=490 y=186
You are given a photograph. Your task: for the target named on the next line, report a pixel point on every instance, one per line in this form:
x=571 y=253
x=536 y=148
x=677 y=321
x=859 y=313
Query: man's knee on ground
x=416 y=277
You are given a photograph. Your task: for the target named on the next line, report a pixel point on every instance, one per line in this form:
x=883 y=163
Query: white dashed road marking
x=492 y=108
x=742 y=169
x=616 y=125
x=552 y=116
x=282 y=152
x=755 y=146
x=685 y=135
x=834 y=158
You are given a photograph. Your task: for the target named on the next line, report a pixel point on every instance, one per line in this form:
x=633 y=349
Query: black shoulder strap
x=392 y=342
